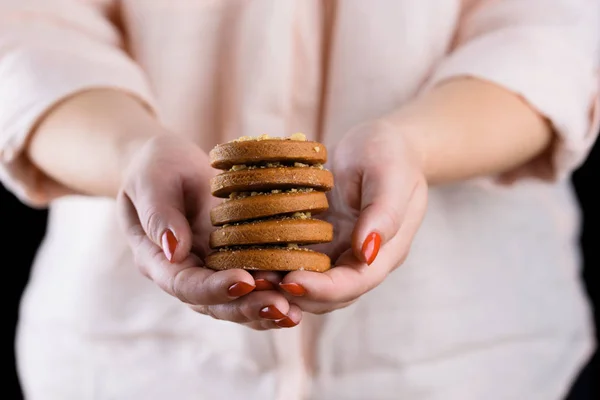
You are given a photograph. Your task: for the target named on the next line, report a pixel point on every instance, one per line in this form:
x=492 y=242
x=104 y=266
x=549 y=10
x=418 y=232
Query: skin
x=159 y=178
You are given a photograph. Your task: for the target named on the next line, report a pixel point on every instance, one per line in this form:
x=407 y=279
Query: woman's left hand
x=376 y=207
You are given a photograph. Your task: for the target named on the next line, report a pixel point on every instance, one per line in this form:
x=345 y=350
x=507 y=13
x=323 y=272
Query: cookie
x=271 y=190
x=275 y=231
x=269 y=259
x=250 y=152
x=266 y=179
x=268 y=205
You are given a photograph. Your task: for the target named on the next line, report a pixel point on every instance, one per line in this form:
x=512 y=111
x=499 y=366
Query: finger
x=266 y=280
x=161 y=213
x=262 y=325
x=384 y=198
x=293 y=319
x=351 y=278
x=346 y=281
x=320 y=308
x=256 y=306
x=187 y=280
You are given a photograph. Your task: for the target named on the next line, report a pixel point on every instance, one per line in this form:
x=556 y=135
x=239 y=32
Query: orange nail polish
x=263 y=284
x=294 y=289
x=271 y=312
x=285 y=323
x=370 y=247
x=240 y=289
x=169 y=244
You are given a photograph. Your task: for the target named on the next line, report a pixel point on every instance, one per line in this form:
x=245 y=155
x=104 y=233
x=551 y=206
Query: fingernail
x=370 y=247
x=240 y=289
x=263 y=284
x=169 y=244
x=286 y=323
x=294 y=289
x=271 y=312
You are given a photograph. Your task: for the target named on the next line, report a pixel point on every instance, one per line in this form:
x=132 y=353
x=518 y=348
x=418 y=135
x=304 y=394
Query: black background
x=23 y=228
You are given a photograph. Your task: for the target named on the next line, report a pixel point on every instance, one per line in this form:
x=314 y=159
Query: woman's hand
x=104 y=142
x=376 y=207
x=164 y=208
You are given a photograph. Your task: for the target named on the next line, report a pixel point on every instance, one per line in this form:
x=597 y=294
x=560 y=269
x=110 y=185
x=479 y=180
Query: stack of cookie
x=272 y=187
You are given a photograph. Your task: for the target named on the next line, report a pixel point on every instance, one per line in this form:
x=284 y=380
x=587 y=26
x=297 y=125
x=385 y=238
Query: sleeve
x=50 y=50
x=547 y=52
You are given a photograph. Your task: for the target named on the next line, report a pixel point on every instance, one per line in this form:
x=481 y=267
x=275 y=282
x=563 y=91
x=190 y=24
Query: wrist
x=95 y=132
x=127 y=149
x=412 y=139
x=128 y=125
x=468 y=128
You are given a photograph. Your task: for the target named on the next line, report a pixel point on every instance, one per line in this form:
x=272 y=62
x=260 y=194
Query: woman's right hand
x=164 y=205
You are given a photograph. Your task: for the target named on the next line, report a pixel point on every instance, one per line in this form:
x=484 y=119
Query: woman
x=453 y=129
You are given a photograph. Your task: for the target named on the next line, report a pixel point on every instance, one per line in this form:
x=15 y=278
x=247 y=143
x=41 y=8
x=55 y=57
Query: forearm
x=85 y=142
x=467 y=128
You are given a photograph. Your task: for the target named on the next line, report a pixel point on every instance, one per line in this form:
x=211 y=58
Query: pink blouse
x=489 y=304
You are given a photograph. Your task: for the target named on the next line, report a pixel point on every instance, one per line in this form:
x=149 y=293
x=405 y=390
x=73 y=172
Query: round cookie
x=226 y=155
x=263 y=179
x=269 y=259
x=268 y=205
x=275 y=231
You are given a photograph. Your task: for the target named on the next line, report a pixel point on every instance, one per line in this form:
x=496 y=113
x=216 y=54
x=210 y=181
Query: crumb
x=302 y=215
x=243 y=195
x=317 y=149
x=298 y=136
x=276 y=164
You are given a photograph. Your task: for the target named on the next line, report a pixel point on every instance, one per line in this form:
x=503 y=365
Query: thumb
x=161 y=214
x=384 y=198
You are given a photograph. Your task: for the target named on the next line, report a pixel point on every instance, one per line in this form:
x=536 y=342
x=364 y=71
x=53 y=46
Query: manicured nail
x=285 y=323
x=169 y=244
x=294 y=289
x=263 y=284
x=271 y=312
x=240 y=289
x=370 y=247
